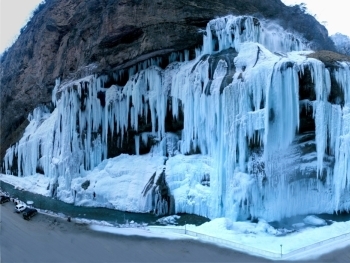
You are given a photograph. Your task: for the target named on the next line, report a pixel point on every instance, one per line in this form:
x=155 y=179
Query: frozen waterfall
x=239 y=151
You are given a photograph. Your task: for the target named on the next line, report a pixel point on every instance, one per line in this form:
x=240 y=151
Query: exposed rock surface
x=329 y=57
x=71 y=38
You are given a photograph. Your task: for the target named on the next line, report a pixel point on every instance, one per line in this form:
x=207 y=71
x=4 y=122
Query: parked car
x=4 y=199
x=28 y=213
x=20 y=207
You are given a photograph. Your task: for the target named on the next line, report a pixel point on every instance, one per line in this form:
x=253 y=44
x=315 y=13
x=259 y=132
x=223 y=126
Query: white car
x=20 y=207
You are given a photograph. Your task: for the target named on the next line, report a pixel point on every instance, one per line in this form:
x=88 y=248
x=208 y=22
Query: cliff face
x=242 y=128
x=72 y=38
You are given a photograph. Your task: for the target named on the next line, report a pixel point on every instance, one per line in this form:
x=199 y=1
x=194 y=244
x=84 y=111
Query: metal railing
x=250 y=249
x=317 y=244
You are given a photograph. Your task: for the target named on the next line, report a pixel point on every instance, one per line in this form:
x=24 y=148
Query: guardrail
x=242 y=247
x=231 y=244
x=250 y=249
x=314 y=245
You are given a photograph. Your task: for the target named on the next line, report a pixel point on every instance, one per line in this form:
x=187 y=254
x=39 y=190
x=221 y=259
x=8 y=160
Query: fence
x=317 y=244
x=250 y=249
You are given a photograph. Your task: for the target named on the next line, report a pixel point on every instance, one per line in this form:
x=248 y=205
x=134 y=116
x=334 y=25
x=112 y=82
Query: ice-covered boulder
x=313 y=220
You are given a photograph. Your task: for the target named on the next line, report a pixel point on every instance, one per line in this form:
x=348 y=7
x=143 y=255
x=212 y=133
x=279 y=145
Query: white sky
x=335 y=13
x=15 y=13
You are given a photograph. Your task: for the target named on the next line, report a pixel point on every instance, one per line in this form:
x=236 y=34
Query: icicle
x=137 y=144
x=340 y=138
x=260 y=107
x=54 y=92
x=282 y=107
x=144 y=138
x=231 y=31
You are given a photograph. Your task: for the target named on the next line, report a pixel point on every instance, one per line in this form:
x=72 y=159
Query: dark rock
x=162 y=201
x=123 y=35
x=85 y=185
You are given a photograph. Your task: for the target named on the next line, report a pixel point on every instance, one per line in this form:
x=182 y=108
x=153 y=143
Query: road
x=45 y=239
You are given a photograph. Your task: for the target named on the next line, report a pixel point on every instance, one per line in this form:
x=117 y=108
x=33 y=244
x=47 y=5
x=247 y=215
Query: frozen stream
x=120 y=217
x=97 y=213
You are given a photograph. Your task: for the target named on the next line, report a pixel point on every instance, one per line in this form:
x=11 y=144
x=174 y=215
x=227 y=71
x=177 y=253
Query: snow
x=187 y=183
x=314 y=221
x=36 y=183
x=255 y=238
x=261 y=236
x=259 y=108
x=168 y=220
x=237 y=157
x=144 y=232
x=119 y=183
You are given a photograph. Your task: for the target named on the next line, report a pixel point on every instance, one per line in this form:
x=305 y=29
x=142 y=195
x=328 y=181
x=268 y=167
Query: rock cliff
x=73 y=38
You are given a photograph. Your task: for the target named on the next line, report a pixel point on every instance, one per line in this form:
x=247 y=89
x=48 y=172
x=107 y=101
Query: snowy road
x=46 y=239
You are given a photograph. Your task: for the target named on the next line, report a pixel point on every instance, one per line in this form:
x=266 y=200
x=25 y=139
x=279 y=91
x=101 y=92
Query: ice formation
x=239 y=152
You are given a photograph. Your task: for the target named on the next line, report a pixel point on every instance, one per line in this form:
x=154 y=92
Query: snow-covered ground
x=260 y=238
x=36 y=183
x=125 y=183
x=253 y=238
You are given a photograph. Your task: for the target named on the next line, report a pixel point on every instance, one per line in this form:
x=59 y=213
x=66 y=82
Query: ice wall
x=246 y=131
x=231 y=31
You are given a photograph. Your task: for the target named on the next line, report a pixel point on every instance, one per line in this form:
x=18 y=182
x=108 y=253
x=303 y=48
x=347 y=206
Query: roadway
x=46 y=239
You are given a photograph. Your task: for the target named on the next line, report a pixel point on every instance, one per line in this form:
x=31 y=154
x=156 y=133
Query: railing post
x=281 y=250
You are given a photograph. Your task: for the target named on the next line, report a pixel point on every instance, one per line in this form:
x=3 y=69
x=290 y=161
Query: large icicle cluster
x=241 y=111
x=231 y=31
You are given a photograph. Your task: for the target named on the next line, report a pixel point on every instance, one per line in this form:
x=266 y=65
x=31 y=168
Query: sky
x=13 y=18
x=332 y=14
x=14 y=14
